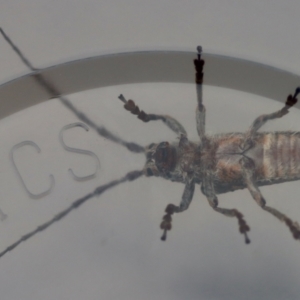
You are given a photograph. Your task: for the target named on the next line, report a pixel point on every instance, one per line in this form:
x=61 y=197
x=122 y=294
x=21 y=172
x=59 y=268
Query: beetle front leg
x=200 y=110
x=248 y=172
x=200 y=115
x=261 y=120
x=207 y=189
x=172 y=123
x=186 y=199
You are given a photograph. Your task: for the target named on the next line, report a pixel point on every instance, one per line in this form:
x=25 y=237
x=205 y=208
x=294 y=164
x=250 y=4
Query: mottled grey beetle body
x=276 y=156
x=224 y=162
x=219 y=164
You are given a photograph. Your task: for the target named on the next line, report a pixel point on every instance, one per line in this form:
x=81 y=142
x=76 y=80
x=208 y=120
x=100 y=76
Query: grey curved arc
x=147 y=66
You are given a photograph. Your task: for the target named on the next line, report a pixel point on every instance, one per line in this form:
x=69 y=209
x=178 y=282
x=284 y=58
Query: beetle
x=224 y=162
x=219 y=163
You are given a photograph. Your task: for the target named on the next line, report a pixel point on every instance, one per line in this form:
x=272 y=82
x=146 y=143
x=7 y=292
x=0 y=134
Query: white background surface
x=110 y=248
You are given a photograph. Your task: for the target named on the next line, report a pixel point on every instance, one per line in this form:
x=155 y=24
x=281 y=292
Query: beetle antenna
x=18 y=51
x=97 y=192
x=101 y=130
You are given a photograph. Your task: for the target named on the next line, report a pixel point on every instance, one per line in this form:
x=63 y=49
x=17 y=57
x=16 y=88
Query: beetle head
x=161 y=159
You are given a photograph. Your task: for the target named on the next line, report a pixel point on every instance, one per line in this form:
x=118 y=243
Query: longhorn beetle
x=219 y=163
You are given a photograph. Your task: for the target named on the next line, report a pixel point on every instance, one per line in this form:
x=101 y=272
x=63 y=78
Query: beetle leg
x=200 y=110
x=261 y=120
x=200 y=114
x=173 y=124
x=207 y=189
x=249 y=170
x=186 y=199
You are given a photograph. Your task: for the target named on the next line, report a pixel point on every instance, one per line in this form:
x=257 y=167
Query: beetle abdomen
x=281 y=155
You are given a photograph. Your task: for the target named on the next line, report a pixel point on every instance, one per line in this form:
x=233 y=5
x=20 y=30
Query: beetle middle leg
x=207 y=189
x=186 y=199
x=248 y=167
x=261 y=120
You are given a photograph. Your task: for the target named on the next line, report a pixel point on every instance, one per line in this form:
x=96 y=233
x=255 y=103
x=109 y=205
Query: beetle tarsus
x=247 y=240
x=164 y=236
x=122 y=98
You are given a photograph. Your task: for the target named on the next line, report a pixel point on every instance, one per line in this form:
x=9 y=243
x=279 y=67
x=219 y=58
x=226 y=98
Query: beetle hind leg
x=208 y=190
x=243 y=226
x=293 y=226
x=248 y=170
x=291 y=100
